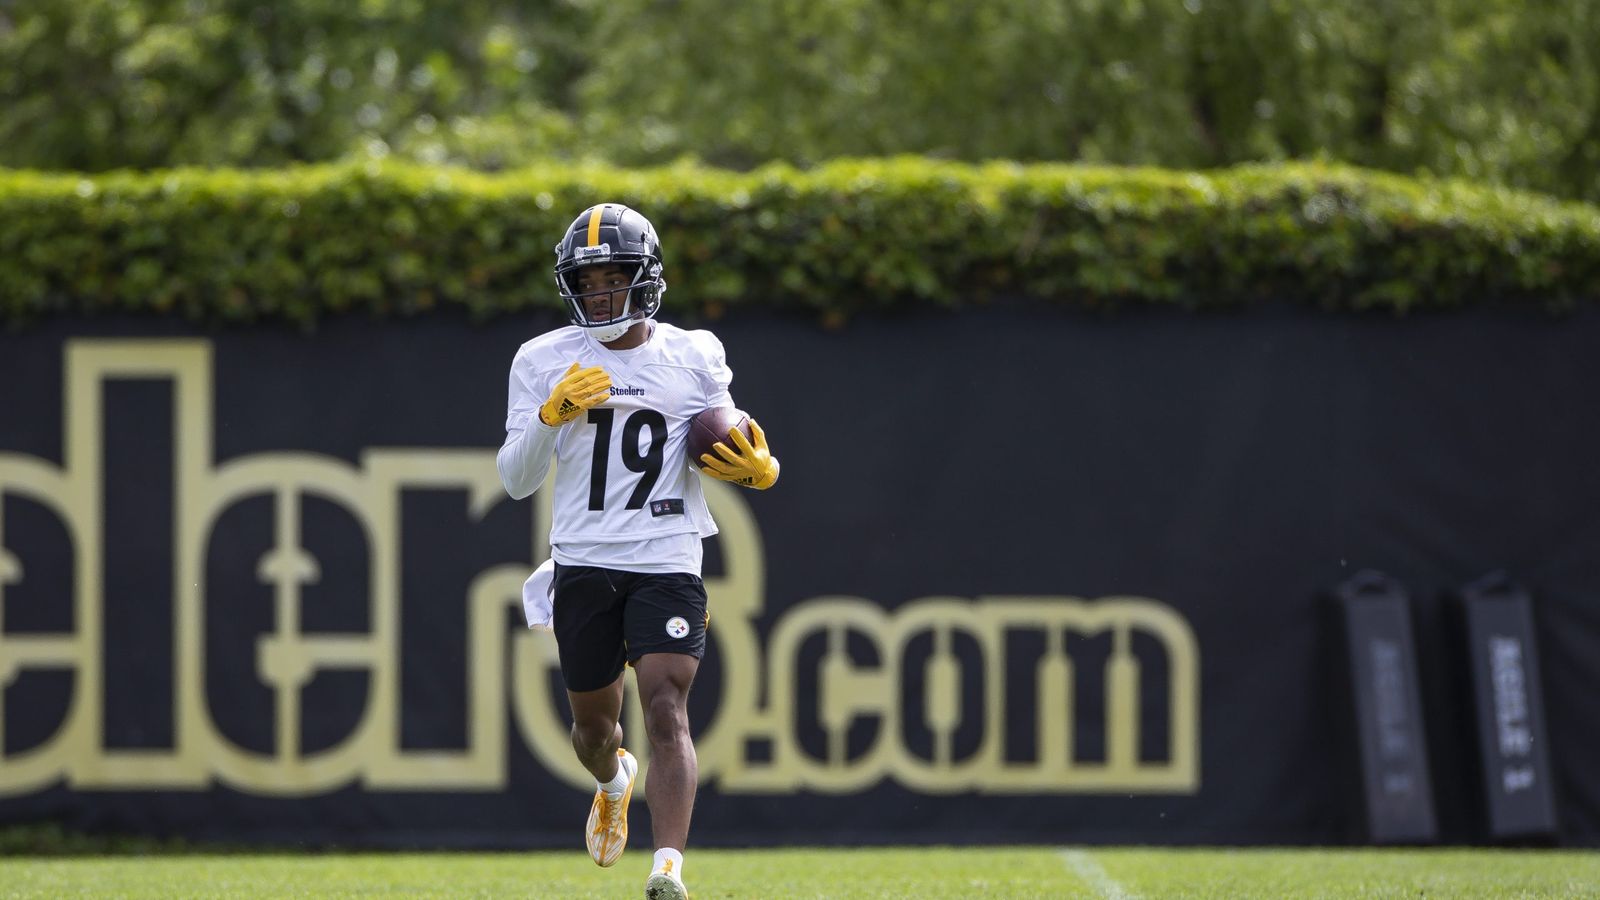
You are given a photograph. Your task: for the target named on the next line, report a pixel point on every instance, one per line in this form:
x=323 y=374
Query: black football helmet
x=611 y=234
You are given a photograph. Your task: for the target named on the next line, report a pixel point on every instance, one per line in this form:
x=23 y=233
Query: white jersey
x=626 y=496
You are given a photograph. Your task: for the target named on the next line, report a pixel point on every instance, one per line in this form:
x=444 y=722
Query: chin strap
x=607 y=333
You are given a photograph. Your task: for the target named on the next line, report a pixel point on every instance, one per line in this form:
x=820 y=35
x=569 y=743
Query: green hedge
x=301 y=243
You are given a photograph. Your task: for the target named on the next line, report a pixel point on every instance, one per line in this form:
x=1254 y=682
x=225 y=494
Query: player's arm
x=532 y=425
x=752 y=465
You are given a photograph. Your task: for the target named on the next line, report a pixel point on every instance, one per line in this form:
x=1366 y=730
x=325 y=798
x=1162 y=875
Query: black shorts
x=605 y=618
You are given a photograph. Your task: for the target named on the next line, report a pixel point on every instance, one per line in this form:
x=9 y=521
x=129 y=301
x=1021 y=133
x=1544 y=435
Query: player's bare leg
x=597 y=728
x=664 y=680
x=597 y=739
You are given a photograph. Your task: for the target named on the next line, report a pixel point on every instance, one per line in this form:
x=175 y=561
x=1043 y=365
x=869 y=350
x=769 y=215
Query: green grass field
x=860 y=873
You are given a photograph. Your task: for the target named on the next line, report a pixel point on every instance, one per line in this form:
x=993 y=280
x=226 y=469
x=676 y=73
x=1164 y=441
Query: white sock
x=617 y=784
x=664 y=854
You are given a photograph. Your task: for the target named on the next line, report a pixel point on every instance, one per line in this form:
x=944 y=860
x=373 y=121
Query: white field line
x=1084 y=866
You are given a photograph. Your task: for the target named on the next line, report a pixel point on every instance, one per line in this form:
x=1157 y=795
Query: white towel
x=538 y=594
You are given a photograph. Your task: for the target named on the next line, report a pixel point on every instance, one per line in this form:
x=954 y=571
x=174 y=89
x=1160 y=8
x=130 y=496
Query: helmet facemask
x=640 y=298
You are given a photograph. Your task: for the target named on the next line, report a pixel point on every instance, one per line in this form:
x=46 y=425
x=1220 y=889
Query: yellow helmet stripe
x=594 y=226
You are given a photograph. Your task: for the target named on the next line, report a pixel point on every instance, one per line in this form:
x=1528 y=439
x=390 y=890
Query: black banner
x=1513 y=746
x=1388 y=710
x=1028 y=576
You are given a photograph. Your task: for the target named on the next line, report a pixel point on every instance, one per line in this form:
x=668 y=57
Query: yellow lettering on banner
x=751 y=745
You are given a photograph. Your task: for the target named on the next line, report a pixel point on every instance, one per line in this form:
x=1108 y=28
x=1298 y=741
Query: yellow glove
x=578 y=390
x=753 y=466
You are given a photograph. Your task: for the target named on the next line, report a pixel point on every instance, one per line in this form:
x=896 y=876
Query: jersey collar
x=616 y=362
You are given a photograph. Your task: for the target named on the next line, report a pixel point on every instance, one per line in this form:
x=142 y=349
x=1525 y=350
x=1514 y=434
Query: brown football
x=711 y=425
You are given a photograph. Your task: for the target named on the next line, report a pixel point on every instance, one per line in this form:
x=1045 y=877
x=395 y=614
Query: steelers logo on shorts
x=677 y=627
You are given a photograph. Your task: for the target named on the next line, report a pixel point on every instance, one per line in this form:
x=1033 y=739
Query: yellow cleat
x=607 y=831
x=664 y=884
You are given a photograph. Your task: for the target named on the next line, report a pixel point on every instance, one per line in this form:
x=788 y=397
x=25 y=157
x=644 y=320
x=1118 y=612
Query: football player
x=610 y=397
